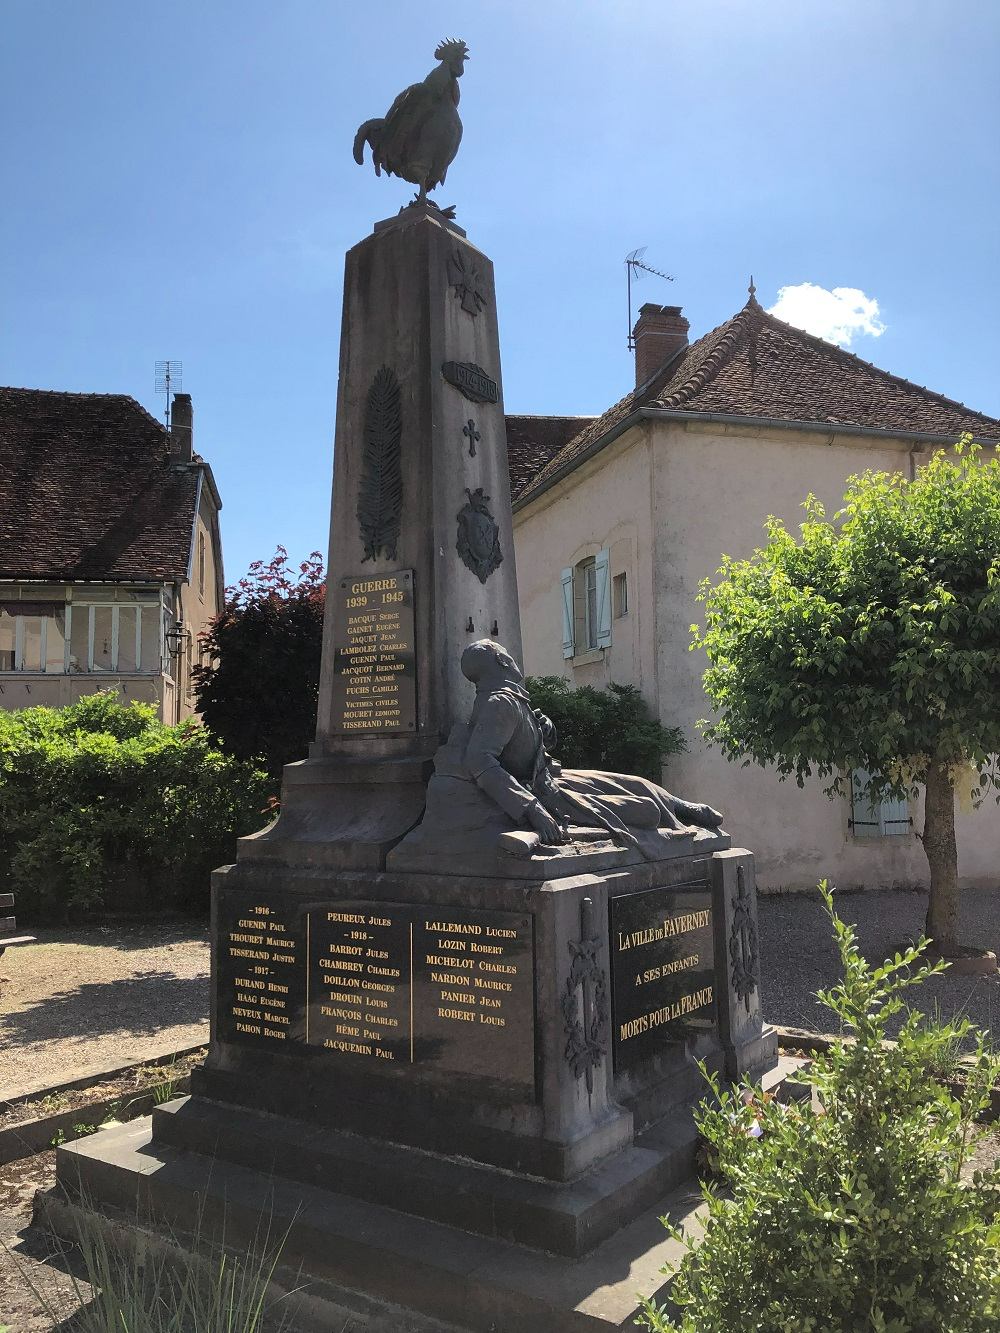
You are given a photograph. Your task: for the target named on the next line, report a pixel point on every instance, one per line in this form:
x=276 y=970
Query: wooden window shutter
x=887 y=818
x=894 y=817
x=569 y=645
x=865 y=819
x=602 y=562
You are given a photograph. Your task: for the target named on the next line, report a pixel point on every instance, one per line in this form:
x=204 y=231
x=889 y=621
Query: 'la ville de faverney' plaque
x=662 y=971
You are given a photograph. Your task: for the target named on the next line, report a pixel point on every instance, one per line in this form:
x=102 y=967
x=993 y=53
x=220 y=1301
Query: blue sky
x=178 y=182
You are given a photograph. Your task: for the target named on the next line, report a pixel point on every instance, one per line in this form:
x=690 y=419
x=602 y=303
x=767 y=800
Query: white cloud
x=835 y=315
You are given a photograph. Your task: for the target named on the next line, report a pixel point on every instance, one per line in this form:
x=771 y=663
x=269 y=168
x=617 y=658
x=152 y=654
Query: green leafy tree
x=258 y=689
x=872 y=641
x=102 y=806
x=609 y=729
x=855 y=1213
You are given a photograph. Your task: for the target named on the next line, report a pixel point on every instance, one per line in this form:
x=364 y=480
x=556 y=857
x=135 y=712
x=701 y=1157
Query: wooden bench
x=8 y=925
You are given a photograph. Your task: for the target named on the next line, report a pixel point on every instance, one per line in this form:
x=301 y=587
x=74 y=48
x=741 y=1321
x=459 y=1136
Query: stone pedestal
x=415 y=1071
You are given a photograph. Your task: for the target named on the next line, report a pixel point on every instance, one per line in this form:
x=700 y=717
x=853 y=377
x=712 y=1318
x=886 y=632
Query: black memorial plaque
x=474 y=994
x=374 y=664
x=261 y=969
x=662 y=971
x=390 y=985
x=358 y=981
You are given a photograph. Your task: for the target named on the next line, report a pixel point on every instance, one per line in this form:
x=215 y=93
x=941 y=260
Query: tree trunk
x=942 y=857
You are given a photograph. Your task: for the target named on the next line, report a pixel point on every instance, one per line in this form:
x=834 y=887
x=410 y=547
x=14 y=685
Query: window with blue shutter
x=602 y=565
x=569 y=636
x=870 y=818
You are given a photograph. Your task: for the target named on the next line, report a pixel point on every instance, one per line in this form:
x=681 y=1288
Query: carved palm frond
x=380 y=492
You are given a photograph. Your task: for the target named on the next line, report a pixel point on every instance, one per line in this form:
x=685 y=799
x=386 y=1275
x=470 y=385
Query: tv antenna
x=168 y=381
x=635 y=268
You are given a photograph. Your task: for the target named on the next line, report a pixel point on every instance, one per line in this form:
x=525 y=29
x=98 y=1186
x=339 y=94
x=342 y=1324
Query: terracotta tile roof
x=87 y=490
x=533 y=440
x=755 y=365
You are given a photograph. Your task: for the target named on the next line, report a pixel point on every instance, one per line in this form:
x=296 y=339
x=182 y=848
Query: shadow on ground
x=135 y=1006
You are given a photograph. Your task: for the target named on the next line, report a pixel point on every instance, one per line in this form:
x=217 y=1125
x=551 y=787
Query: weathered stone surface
x=422 y=1270
x=751 y=1047
x=456 y=1021
x=401 y=324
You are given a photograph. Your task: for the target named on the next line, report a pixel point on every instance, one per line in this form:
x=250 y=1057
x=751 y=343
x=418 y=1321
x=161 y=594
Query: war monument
x=458 y=993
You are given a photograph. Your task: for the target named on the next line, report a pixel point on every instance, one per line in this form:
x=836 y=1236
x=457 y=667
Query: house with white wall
x=619 y=518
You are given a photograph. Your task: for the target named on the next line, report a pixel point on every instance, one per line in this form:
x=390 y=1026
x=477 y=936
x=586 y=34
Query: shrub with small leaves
x=102 y=806
x=850 y=1214
x=609 y=729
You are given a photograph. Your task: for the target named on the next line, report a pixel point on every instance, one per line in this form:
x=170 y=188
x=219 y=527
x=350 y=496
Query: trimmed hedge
x=105 y=808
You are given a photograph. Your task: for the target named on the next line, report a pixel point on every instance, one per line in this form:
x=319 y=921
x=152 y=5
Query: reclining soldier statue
x=504 y=752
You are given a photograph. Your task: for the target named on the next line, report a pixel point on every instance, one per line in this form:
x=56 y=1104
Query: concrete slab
x=477 y=1284
x=565 y=1218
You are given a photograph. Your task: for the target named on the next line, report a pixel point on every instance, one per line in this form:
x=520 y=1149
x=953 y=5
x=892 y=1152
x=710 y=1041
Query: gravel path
x=83 y=1000
x=798 y=955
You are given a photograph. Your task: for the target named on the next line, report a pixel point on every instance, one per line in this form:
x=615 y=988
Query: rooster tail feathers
x=365 y=135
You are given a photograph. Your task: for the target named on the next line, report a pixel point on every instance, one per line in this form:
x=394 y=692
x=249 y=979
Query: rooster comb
x=451 y=46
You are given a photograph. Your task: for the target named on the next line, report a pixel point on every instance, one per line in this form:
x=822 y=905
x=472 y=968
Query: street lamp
x=178 y=637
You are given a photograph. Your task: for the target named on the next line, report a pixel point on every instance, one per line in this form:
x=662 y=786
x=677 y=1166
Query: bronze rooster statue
x=419 y=135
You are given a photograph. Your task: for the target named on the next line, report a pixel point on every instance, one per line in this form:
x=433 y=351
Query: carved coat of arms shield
x=478 y=535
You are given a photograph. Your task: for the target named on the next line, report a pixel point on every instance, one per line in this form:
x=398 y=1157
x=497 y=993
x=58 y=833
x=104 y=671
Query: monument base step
x=563 y=1218
x=361 y=1256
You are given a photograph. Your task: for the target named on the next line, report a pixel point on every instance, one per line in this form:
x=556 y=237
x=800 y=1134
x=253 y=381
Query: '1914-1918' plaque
x=391 y=986
x=662 y=971
x=374 y=663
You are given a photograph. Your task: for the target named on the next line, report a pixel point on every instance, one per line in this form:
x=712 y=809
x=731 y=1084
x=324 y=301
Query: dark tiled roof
x=755 y=365
x=87 y=490
x=532 y=441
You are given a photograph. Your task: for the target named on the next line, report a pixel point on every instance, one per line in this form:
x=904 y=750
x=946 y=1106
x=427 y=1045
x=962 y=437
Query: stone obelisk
x=421 y=549
x=426 y=491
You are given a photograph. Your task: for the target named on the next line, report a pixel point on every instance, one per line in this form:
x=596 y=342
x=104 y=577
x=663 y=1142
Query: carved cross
x=470 y=430
x=464 y=276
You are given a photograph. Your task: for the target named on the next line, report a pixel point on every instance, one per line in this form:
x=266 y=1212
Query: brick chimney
x=660 y=331
x=181 y=428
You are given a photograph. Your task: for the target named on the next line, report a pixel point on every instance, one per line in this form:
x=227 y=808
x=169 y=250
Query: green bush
x=609 y=729
x=851 y=1214
x=102 y=806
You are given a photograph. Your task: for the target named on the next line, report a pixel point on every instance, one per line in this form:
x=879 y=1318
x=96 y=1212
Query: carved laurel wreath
x=380 y=492
x=744 y=949
x=587 y=1042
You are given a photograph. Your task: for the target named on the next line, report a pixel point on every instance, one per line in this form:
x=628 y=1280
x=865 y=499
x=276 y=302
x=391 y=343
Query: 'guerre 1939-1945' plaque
x=374 y=664
x=662 y=970
x=383 y=985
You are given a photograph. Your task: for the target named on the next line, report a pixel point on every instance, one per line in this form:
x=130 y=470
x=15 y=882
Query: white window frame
x=591 y=594
x=77 y=609
x=43 y=644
